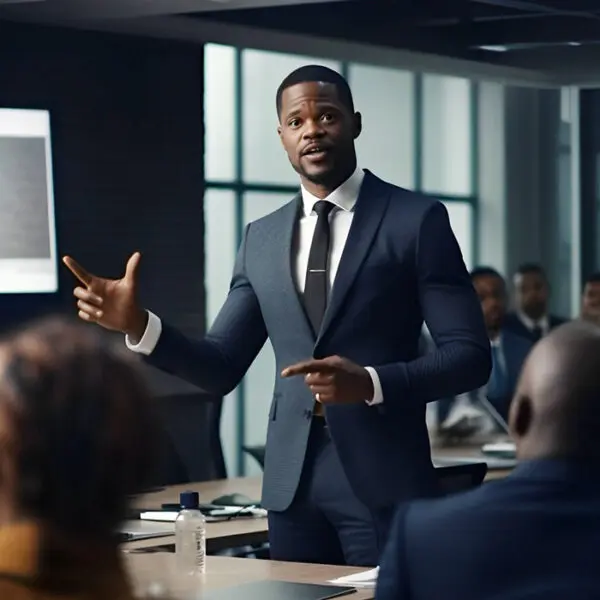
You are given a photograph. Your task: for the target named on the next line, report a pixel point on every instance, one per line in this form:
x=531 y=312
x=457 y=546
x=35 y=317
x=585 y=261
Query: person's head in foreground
x=318 y=126
x=531 y=535
x=77 y=434
x=555 y=412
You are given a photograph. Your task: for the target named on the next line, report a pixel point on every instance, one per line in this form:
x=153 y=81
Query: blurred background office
x=163 y=139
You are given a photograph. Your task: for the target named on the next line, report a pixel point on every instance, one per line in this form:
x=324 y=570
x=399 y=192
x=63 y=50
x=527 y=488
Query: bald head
x=555 y=409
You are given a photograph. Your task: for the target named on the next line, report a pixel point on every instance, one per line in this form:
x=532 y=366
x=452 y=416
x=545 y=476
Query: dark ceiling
x=488 y=30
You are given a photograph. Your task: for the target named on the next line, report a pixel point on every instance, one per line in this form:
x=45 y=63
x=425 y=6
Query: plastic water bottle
x=190 y=536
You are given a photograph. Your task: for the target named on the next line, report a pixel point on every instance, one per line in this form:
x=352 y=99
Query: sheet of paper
x=218 y=514
x=364 y=579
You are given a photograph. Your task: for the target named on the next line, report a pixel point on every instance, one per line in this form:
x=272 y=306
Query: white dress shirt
x=344 y=198
x=543 y=323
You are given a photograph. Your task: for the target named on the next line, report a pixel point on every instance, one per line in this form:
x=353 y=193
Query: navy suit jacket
x=515 y=350
x=514 y=324
x=401 y=265
x=534 y=535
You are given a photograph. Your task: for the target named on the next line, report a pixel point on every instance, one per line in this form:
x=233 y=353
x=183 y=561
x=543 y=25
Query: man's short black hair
x=484 y=271
x=531 y=269
x=593 y=278
x=321 y=74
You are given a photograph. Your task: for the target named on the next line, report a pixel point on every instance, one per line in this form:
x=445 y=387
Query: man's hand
x=334 y=380
x=112 y=303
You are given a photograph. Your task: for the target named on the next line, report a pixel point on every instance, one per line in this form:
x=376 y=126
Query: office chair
x=257 y=453
x=460 y=477
x=194 y=452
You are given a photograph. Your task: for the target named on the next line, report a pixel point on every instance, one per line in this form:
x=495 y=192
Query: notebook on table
x=278 y=590
x=143 y=530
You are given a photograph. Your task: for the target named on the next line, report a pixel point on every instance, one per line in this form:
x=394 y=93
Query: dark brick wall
x=128 y=159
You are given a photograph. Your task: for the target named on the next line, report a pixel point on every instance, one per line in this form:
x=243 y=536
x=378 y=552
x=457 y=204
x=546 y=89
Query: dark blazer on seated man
x=348 y=268
x=509 y=350
x=534 y=535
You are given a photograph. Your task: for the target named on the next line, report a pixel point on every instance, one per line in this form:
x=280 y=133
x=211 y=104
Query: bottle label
x=199 y=543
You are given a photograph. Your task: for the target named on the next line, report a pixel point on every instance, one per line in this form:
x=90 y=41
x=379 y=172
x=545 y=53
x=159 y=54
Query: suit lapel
x=368 y=213
x=284 y=244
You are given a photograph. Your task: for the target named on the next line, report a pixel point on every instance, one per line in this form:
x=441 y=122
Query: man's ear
x=357 y=124
x=280 y=133
x=521 y=415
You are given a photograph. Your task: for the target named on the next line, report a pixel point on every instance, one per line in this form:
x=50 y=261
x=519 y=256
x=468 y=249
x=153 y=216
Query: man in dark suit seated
x=531 y=318
x=536 y=533
x=466 y=412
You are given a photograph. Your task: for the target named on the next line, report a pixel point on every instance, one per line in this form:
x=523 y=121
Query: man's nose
x=313 y=129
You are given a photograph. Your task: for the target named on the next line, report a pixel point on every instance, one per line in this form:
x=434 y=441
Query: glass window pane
x=446 y=149
x=386 y=145
x=461 y=220
x=264 y=160
x=219 y=112
x=220 y=249
x=261 y=375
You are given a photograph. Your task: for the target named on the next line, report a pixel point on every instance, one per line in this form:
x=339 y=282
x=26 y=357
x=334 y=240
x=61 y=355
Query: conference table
x=240 y=532
x=149 y=570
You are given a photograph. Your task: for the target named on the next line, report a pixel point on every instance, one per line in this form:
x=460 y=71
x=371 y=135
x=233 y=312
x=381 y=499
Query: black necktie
x=315 y=287
x=536 y=333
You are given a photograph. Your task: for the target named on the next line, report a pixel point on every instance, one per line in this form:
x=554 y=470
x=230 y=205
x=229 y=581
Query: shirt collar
x=344 y=197
x=543 y=323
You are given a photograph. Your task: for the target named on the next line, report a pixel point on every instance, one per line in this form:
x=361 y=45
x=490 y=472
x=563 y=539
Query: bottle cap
x=189 y=500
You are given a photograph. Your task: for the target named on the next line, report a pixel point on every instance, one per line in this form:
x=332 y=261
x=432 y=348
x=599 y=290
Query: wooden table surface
x=147 y=570
x=220 y=535
x=242 y=532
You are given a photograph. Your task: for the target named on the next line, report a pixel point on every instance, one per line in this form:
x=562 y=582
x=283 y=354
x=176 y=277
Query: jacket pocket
x=273 y=409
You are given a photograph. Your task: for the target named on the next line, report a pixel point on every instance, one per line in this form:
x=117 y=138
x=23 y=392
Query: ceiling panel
x=495 y=31
x=69 y=10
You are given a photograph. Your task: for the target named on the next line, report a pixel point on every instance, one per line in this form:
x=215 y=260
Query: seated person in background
x=590 y=299
x=531 y=318
x=535 y=534
x=467 y=413
x=77 y=434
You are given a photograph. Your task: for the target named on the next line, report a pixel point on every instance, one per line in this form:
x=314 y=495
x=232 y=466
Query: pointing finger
x=319 y=378
x=309 y=366
x=84 y=276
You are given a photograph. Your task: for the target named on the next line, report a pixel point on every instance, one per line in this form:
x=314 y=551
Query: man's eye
x=327 y=117
x=294 y=123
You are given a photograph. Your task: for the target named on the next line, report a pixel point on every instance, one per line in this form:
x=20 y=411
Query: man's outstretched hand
x=334 y=380
x=112 y=303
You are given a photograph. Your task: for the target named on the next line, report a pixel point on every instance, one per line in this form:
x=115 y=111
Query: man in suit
x=590 y=299
x=531 y=318
x=509 y=350
x=340 y=280
x=534 y=535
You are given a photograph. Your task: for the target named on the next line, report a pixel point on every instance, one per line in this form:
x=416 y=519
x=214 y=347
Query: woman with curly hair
x=77 y=436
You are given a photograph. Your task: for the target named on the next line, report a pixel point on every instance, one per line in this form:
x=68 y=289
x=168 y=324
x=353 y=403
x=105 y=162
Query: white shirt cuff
x=150 y=338
x=377 y=391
